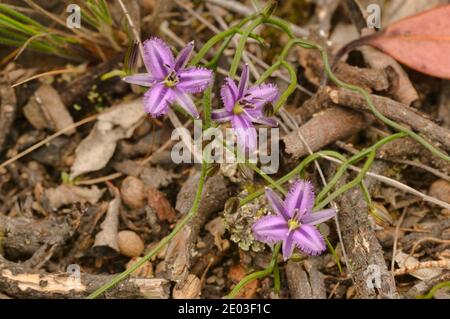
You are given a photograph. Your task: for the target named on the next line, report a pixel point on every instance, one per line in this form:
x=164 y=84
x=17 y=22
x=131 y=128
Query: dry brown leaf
x=45 y=109
x=217 y=228
x=95 y=151
x=65 y=194
x=405 y=261
x=106 y=243
x=159 y=203
x=422 y=41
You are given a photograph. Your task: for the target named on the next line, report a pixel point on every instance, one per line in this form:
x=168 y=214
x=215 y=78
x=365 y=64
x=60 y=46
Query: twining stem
x=311 y=45
x=377 y=114
x=297 y=170
x=290 y=89
x=241 y=44
x=258 y=274
x=217 y=38
x=432 y=292
x=355 y=158
x=350 y=184
x=267 y=73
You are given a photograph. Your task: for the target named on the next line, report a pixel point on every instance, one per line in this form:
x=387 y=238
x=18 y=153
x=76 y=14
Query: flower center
x=293 y=224
x=171 y=80
x=238 y=109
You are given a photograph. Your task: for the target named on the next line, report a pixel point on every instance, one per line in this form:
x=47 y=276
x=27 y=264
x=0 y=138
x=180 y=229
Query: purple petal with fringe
x=158 y=58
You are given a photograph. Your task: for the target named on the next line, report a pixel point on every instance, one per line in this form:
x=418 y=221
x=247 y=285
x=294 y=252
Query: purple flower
x=169 y=79
x=294 y=221
x=244 y=106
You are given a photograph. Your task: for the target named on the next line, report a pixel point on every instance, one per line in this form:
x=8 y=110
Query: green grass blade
x=19 y=16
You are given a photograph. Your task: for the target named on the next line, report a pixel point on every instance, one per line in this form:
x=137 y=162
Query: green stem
x=214 y=62
x=279 y=23
x=256 y=275
x=355 y=158
x=267 y=73
x=297 y=170
x=241 y=45
x=377 y=114
x=308 y=44
x=291 y=87
x=276 y=279
x=207 y=107
x=217 y=38
x=366 y=194
x=431 y=293
x=350 y=184
x=335 y=255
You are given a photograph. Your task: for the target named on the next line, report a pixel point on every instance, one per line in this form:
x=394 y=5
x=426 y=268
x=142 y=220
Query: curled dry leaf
x=65 y=194
x=144 y=271
x=159 y=203
x=98 y=147
x=217 y=228
x=402 y=89
x=155 y=177
x=106 y=241
x=46 y=110
x=422 y=41
x=188 y=288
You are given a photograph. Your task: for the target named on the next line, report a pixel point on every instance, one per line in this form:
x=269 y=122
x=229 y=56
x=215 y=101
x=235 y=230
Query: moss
x=296 y=11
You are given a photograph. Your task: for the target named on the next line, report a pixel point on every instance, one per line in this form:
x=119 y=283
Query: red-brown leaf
x=422 y=41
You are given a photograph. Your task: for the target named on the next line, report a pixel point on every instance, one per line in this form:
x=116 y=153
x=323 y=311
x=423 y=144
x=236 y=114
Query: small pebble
x=130 y=244
x=441 y=190
x=133 y=194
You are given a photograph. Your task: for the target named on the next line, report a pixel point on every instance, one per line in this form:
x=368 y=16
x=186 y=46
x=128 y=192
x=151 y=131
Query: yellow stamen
x=293 y=224
x=238 y=109
x=171 y=80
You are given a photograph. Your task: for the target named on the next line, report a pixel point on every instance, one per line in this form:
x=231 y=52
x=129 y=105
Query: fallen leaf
x=422 y=41
x=95 y=151
x=8 y=109
x=155 y=177
x=46 y=110
x=159 y=203
x=405 y=261
x=64 y=194
x=106 y=243
x=217 y=228
x=189 y=288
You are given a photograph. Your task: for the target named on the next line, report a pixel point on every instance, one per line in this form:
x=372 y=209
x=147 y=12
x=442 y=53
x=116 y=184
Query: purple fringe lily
x=244 y=106
x=169 y=79
x=293 y=222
